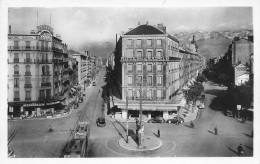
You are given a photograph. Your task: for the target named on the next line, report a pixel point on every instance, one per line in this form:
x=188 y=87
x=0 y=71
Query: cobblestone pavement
x=180 y=140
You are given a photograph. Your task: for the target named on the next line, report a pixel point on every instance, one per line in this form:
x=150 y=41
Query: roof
x=144 y=30
x=148 y=30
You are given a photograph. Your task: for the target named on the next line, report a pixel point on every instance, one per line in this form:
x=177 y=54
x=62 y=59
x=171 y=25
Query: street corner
x=149 y=143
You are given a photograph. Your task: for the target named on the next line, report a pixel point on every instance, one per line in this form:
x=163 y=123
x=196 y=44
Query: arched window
x=16 y=70
x=43 y=70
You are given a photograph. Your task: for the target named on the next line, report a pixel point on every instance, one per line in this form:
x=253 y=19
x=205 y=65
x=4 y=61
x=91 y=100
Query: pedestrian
x=192 y=124
x=240 y=150
x=216 y=130
x=158 y=132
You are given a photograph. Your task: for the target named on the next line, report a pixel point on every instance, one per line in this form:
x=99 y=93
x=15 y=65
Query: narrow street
x=181 y=140
x=34 y=140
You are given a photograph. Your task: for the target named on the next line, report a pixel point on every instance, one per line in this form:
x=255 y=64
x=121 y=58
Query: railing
x=29 y=48
x=27 y=85
x=17 y=99
x=16 y=60
x=48 y=84
x=43 y=61
x=16 y=73
x=28 y=98
x=28 y=74
x=28 y=60
x=146 y=98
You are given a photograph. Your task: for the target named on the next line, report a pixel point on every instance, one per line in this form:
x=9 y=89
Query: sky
x=81 y=26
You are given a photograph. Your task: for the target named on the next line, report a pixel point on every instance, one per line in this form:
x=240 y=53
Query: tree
x=222 y=78
x=194 y=92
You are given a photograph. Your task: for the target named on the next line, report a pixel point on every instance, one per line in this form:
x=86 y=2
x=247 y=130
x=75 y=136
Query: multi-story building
x=82 y=67
x=35 y=65
x=149 y=57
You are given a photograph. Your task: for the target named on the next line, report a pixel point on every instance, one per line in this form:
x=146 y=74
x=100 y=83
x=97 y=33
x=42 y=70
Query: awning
x=251 y=109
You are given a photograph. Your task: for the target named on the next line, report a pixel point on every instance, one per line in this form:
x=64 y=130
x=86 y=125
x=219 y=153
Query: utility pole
x=127 y=119
x=140 y=127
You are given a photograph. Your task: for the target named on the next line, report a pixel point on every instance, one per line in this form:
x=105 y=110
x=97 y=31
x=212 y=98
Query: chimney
x=147 y=23
x=161 y=27
x=58 y=36
x=138 y=23
x=32 y=32
x=10 y=29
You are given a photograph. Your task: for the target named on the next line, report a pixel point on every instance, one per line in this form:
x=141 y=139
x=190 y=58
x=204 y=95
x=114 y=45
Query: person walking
x=216 y=130
x=192 y=124
x=240 y=150
x=158 y=133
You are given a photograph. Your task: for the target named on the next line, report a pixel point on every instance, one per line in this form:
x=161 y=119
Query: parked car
x=156 y=120
x=101 y=122
x=201 y=106
x=175 y=119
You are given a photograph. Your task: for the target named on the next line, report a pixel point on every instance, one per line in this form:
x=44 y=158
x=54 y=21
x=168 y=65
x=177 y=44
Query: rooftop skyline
x=80 y=26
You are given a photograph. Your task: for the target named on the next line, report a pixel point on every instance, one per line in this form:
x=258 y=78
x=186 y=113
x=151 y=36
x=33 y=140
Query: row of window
x=28 y=43
x=43 y=94
x=139 y=54
x=45 y=70
x=149 y=67
x=148 y=42
x=28 y=81
x=149 y=93
x=149 y=80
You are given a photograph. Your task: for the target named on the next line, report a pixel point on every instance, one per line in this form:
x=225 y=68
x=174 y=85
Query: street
x=33 y=139
x=181 y=140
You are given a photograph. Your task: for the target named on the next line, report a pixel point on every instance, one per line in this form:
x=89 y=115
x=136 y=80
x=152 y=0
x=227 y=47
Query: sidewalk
x=60 y=114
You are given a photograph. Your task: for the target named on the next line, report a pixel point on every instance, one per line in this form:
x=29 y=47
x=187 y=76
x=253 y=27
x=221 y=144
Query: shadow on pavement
x=249 y=147
x=156 y=134
x=119 y=132
x=121 y=125
x=248 y=135
x=215 y=92
x=233 y=151
x=211 y=132
x=189 y=126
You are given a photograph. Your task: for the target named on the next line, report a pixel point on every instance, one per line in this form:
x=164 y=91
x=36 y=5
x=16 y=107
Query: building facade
x=36 y=64
x=82 y=68
x=152 y=69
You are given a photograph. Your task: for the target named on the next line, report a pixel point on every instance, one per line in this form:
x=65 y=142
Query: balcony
x=43 y=61
x=48 y=84
x=16 y=60
x=16 y=73
x=26 y=48
x=28 y=74
x=28 y=98
x=17 y=99
x=27 y=85
x=28 y=60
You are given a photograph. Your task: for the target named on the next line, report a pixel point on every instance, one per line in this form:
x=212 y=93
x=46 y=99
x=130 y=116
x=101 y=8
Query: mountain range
x=210 y=43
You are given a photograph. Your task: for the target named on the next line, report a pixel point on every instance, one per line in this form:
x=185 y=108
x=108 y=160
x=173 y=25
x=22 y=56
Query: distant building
x=242 y=48
x=241 y=74
x=82 y=67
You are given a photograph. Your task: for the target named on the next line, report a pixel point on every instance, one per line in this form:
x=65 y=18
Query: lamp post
x=140 y=127
x=127 y=119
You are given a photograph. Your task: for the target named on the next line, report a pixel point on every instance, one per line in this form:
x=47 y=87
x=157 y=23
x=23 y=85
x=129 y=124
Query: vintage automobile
x=156 y=120
x=101 y=121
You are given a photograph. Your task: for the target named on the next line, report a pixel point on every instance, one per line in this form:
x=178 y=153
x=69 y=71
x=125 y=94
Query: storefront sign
x=45 y=27
x=41 y=104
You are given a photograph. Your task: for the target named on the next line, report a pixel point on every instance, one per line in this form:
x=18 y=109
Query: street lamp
x=140 y=127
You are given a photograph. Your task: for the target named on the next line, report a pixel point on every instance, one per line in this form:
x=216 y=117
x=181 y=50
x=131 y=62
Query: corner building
x=151 y=56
